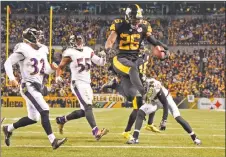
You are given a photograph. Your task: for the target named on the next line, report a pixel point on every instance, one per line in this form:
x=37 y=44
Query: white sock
x=192 y=133
x=94 y=128
x=11 y=128
x=65 y=117
x=51 y=137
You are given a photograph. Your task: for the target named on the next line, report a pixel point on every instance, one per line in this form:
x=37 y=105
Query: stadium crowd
x=201 y=75
x=185 y=31
x=182 y=73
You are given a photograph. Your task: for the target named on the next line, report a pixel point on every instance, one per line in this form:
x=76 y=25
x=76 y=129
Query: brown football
x=158 y=52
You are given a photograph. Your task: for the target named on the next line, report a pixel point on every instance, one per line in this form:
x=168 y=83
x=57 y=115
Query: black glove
x=162 y=125
x=167 y=54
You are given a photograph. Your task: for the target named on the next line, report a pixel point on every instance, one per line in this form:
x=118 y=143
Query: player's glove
x=102 y=54
x=162 y=125
x=59 y=79
x=54 y=66
x=167 y=54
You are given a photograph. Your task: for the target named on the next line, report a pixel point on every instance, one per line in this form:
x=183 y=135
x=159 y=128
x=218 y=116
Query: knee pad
x=88 y=107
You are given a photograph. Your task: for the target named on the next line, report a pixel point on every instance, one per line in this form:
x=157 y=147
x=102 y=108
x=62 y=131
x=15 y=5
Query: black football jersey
x=129 y=40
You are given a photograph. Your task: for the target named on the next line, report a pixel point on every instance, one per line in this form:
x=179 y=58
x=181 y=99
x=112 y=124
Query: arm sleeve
x=98 y=60
x=162 y=98
x=48 y=69
x=13 y=59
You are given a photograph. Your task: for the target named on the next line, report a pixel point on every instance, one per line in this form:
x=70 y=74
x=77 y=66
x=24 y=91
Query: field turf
x=31 y=141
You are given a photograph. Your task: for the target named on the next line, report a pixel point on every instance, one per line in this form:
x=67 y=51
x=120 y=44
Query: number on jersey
x=84 y=65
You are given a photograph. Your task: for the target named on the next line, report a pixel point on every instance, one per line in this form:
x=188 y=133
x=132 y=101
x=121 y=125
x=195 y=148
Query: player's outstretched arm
x=59 y=71
x=8 y=65
x=110 y=41
x=101 y=61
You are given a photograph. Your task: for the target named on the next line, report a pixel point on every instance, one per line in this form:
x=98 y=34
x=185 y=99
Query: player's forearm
x=59 y=71
x=111 y=40
x=48 y=69
x=101 y=61
x=151 y=39
x=9 y=69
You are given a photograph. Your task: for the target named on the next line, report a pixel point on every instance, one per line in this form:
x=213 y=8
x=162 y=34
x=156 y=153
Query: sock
x=89 y=116
x=11 y=128
x=51 y=137
x=186 y=126
x=45 y=122
x=131 y=121
x=151 y=118
x=21 y=123
x=193 y=135
x=139 y=121
x=75 y=115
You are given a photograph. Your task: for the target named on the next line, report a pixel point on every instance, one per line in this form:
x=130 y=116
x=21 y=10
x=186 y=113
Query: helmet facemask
x=134 y=16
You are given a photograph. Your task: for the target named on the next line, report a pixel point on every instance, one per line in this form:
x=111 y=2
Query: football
x=158 y=52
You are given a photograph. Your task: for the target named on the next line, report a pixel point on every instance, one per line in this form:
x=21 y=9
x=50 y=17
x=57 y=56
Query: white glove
x=59 y=79
x=102 y=54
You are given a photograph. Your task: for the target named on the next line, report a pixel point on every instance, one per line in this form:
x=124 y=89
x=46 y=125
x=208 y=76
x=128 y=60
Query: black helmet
x=31 y=35
x=133 y=14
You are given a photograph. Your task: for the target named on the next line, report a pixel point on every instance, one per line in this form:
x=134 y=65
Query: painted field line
x=119 y=127
x=120 y=147
x=118 y=133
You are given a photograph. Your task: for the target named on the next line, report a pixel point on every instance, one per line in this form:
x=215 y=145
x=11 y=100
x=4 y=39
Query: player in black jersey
x=129 y=33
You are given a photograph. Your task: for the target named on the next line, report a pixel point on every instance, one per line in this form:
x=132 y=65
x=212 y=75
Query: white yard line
x=116 y=133
x=120 y=147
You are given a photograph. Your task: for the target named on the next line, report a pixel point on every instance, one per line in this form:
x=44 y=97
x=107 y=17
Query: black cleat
x=7 y=135
x=58 y=142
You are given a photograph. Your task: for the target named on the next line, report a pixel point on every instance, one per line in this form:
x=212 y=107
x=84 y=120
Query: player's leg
x=137 y=103
x=142 y=112
x=84 y=94
x=37 y=100
x=176 y=114
x=126 y=67
x=132 y=96
x=33 y=117
x=150 y=125
x=73 y=115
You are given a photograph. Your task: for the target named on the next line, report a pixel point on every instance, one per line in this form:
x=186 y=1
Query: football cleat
x=127 y=135
x=60 y=121
x=7 y=135
x=132 y=141
x=58 y=142
x=197 y=141
x=152 y=128
x=99 y=133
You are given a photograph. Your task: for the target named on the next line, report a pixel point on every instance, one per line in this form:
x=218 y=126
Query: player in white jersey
x=32 y=59
x=81 y=58
x=154 y=102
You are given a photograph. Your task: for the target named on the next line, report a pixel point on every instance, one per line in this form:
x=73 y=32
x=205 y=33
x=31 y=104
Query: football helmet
x=76 y=41
x=30 y=35
x=133 y=15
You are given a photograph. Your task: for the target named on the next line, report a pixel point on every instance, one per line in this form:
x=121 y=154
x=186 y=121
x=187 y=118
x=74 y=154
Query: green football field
x=174 y=142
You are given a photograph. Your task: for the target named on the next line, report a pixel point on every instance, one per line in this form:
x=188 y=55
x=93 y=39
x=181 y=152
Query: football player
x=154 y=100
x=130 y=32
x=81 y=58
x=32 y=59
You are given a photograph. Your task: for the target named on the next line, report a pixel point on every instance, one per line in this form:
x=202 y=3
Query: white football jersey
x=33 y=63
x=82 y=62
x=153 y=87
